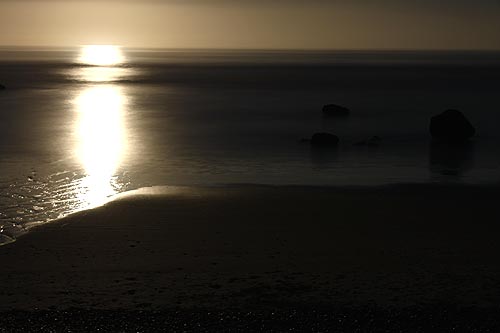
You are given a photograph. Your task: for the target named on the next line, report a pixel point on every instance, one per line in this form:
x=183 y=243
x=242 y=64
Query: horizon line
x=61 y=47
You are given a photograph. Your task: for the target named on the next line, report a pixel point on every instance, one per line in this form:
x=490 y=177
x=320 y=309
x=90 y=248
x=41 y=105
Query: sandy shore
x=266 y=250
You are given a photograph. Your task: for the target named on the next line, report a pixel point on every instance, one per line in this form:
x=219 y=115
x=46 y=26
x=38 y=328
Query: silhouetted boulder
x=451 y=125
x=324 y=140
x=335 y=110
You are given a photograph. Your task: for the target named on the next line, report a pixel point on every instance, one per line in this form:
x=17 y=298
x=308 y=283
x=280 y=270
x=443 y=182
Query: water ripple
x=36 y=201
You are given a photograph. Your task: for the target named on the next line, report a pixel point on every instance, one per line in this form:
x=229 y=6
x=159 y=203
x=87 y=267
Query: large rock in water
x=452 y=126
x=324 y=140
x=335 y=110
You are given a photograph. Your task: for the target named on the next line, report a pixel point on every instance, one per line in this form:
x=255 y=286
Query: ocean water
x=74 y=132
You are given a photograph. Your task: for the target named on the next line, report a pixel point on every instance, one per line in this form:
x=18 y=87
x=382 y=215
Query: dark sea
x=78 y=128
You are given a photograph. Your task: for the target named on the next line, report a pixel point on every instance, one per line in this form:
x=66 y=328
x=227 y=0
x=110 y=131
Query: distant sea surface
x=74 y=132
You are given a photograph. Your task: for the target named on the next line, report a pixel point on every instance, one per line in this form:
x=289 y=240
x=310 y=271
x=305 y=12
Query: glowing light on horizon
x=101 y=55
x=101 y=74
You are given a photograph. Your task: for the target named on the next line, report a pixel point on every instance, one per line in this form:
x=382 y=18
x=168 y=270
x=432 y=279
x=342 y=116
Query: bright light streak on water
x=94 y=143
x=101 y=141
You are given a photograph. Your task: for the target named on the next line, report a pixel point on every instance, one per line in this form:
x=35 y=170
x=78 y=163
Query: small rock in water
x=324 y=139
x=335 y=110
x=451 y=126
x=2 y=87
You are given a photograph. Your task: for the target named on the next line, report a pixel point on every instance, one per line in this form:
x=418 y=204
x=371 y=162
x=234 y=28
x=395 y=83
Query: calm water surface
x=78 y=126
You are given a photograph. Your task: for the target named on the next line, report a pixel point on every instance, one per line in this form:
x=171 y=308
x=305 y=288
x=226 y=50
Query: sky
x=260 y=24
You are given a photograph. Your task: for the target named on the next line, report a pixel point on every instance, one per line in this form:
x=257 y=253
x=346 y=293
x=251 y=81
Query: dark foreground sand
x=263 y=258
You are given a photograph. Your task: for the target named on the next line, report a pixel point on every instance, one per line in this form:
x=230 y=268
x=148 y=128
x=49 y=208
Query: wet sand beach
x=262 y=258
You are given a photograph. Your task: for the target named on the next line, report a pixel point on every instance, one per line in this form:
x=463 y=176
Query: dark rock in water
x=2 y=87
x=452 y=126
x=324 y=140
x=335 y=110
x=374 y=141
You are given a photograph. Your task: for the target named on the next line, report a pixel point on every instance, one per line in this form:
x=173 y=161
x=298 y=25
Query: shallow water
x=73 y=135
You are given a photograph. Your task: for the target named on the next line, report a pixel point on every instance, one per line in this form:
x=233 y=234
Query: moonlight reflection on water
x=91 y=145
x=101 y=141
x=100 y=128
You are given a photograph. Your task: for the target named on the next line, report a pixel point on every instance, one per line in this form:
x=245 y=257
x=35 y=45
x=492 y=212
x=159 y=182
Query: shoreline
x=264 y=249
x=162 y=190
